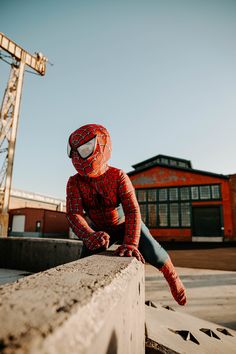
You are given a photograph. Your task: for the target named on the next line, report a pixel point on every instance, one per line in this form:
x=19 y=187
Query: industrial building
x=36 y=215
x=180 y=203
x=34 y=222
x=177 y=203
x=25 y=199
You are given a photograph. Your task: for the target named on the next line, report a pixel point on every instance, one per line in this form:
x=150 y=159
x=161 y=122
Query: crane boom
x=36 y=62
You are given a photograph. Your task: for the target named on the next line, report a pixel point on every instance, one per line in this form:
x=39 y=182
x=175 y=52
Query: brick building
x=180 y=203
x=36 y=215
x=35 y=222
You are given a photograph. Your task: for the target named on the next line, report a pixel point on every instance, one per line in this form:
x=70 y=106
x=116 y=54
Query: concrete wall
x=90 y=306
x=37 y=254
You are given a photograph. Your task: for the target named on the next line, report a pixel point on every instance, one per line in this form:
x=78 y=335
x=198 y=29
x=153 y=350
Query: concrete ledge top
x=34 y=307
x=39 y=239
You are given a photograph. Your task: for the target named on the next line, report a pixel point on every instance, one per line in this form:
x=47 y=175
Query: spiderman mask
x=89 y=147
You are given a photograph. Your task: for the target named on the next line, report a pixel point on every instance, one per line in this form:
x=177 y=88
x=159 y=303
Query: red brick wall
x=31 y=217
x=232 y=182
x=164 y=176
x=51 y=221
x=55 y=222
x=173 y=234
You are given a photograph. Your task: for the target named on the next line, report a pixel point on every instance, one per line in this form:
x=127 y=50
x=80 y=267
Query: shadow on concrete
x=231 y=324
x=113 y=344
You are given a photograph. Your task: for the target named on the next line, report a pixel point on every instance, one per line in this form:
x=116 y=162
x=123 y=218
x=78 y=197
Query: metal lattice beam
x=9 y=116
x=37 y=62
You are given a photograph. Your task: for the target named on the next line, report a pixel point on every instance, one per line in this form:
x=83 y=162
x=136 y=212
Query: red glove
x=129 y=251
x=97 y=240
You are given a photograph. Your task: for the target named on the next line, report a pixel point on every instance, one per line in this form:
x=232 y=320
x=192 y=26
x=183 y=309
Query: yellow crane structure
x=9 y=117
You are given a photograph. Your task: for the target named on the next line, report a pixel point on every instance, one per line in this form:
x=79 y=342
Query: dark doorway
x=206 y=221
x=38 y=226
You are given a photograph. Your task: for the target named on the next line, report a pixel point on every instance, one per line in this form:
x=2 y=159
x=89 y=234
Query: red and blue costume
x=102 y=207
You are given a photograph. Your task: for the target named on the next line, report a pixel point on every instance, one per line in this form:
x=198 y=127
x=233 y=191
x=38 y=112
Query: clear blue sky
x=159 y=74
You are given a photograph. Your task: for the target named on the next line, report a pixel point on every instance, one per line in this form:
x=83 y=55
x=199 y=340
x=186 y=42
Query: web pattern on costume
x=100 y=197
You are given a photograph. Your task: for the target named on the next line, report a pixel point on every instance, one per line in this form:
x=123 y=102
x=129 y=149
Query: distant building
x=24 y=199
x=180 y=203
x=36 y=215
x=35 y=222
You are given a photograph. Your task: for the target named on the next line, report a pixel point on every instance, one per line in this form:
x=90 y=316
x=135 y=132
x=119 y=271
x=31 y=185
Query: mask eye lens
x=87 y=149
x=68 y=149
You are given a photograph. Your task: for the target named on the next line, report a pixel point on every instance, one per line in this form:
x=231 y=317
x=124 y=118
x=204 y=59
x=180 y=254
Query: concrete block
x=37 y=254
x=91 y=306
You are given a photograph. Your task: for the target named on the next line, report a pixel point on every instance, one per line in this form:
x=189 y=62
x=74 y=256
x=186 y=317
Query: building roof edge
x=191 y=170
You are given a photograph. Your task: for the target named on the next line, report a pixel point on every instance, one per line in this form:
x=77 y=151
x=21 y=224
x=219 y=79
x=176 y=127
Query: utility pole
x=9 y=116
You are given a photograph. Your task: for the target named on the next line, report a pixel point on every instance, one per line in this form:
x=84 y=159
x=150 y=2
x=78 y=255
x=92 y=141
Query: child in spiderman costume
x=102 y=208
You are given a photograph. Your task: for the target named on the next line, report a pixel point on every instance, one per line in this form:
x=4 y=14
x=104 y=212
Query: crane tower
x=9 y=116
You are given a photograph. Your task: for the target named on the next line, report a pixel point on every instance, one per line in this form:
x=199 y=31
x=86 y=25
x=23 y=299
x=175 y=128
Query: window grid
x=194 y=193
x=162 y=194
x=173 y=194
x=143 y=211
x=215 y=192
x=152 y=195
x=184 y=193
x=185 y=215
x=163 y=215
x=174 y=215
x=205 y=192
x=171 y=207
x=152 y=215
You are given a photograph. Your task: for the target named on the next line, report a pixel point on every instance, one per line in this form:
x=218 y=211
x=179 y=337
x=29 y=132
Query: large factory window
x=171 y=207
x=184 y=193
x=162 y=192
x=173 y=194
x=174 y=214
x=185 y=215
x=205 y=192
x=163 y=215
x=194 y=193
x=152 y=215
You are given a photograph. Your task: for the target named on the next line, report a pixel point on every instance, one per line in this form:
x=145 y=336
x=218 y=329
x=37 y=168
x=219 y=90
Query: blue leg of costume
x=151 y=250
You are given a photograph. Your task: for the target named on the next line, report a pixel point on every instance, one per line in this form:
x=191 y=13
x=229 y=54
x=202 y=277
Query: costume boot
x=176 y=286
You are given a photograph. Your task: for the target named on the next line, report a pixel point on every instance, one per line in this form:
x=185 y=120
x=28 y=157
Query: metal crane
x=9 y=116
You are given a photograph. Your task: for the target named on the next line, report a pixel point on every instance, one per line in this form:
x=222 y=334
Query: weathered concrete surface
x=162 y=325
x=211 y=294
x=37 y=254
x=94 y=305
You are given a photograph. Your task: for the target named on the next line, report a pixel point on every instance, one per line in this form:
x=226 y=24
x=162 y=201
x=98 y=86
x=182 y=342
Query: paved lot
x=211 y=258
x=211 y=292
